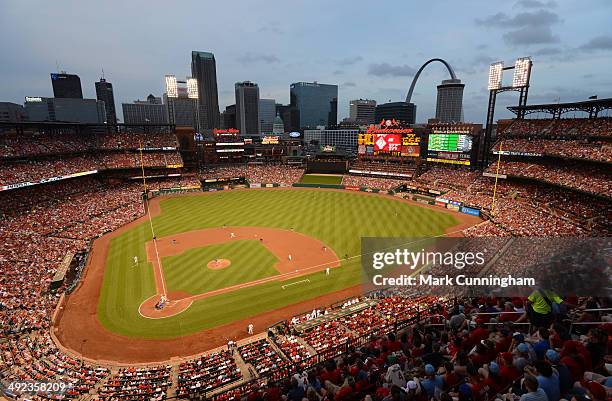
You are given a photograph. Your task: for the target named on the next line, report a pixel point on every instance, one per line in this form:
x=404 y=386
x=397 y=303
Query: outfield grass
x=321 y=179
x=188 y=271
x=337 y=218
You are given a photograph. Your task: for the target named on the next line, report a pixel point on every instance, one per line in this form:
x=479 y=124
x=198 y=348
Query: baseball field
x=228 y=258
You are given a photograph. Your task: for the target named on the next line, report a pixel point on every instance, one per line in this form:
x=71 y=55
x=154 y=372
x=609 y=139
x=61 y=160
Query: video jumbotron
x=306 y=201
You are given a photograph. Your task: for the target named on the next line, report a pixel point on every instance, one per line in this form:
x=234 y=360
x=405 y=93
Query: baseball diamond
x=257 y=230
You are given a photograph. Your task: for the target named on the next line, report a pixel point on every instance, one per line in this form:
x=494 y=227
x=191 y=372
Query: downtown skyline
x=373 y=53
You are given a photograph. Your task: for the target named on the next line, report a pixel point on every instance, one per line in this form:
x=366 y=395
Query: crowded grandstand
x=61 y=188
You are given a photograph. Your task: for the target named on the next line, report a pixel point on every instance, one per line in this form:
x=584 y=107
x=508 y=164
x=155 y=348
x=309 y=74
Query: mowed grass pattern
x=321 y=179
x=188 y=271
x=337 y=218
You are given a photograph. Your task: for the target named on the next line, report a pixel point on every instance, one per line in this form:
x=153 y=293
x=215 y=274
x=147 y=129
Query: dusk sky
x=370 y=49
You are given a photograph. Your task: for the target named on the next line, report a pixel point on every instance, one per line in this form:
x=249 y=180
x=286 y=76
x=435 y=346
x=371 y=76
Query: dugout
x=60 y=274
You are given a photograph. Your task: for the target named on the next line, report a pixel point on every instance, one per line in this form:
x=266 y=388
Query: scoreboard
x=388 y=139
x=451 y=148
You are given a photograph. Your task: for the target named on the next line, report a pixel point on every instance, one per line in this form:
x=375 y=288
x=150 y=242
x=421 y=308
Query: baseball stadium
x=160 y=261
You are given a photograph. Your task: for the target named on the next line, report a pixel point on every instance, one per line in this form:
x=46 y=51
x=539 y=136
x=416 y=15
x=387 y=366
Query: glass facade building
x=317 y=103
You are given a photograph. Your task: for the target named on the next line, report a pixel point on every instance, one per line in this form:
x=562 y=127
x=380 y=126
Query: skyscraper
x=66 y=85
x=204 y=70
x=247 y=108
x=362 y=111
x=267 y=112
x=104 y=92
x=449 y=106
x=317 y=103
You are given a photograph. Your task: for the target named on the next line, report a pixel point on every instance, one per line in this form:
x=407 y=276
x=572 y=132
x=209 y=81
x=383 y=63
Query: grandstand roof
x=593 y=107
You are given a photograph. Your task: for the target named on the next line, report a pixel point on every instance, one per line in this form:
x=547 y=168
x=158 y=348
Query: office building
x=449 y=106
x=66 y=85
x=267 y=113
x=229 y=117
x=342 y=139
x=401 y=111
x=204 y=70
x=73 y=110
x=12 y=113
x=362 y=111
x=182 y=110
x=104 y=92
x=290 y=116
x=150 y=111
x=317 y=103
x=181 y=100
x=332 y=115
x=247 y=108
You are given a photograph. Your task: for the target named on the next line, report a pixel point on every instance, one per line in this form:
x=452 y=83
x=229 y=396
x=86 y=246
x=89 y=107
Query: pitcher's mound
x=218 y=264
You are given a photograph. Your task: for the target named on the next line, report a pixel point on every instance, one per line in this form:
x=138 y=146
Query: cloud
x=548 y=51
x=528 y=28
x=350 y=60
x=256 y=58
x=481 y=59
x=598 y=43
x=271 y=27
x=494 y=20
x=531 y=35
x=524 y=19
x=338 y=72
x=384 y=69
x=475 y=65
x=349 y=84
x=535 y=4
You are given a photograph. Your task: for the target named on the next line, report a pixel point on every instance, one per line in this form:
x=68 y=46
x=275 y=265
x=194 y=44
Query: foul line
x=146 y=200
x=296 y=282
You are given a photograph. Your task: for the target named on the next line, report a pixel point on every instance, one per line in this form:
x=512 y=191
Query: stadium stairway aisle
x=247 y=371
x=174 y=373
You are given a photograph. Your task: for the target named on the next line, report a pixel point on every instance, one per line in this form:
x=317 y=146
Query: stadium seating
x=207 y=373
x=364 y=355
x=255 y=173
x=600 y=151
x=559 y=128
x=372 y=182
x=585 y=178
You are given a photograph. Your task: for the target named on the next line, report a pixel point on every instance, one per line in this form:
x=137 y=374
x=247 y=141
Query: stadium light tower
x=192 y=88
x=171 y=86
x=192 y=93
x=520 y=83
